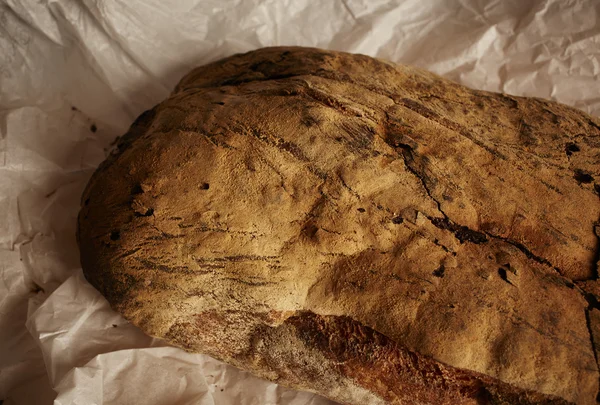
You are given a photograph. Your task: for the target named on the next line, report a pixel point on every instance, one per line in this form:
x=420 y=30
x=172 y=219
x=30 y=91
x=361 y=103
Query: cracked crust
x=287 y=201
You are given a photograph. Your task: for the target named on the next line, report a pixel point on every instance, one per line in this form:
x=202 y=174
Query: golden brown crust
x=458 y=225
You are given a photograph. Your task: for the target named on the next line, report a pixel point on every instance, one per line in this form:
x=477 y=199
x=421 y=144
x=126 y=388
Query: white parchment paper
x=75 y=74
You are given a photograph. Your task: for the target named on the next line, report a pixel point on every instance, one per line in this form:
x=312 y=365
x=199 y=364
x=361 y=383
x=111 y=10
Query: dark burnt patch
x=461 y=232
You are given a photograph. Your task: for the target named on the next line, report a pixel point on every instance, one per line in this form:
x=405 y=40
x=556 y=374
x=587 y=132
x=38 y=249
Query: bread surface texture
x=364 y=230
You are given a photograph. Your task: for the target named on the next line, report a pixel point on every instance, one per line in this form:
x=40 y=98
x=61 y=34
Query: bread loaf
x=368 y=231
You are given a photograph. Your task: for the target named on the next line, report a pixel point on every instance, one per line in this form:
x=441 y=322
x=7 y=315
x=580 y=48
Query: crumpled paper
x=75 y=73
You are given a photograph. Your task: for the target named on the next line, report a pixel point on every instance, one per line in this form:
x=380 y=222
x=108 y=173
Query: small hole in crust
x=115 y=235
x=571 y=147
x=149 y=212
x=582 y=177
x=204 y=186
x=360 y=209
x=397 y=220
x=483 y=396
